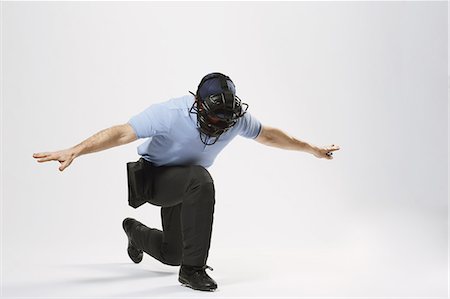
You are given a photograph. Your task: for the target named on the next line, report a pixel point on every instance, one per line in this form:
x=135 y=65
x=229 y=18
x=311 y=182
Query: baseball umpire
x=184 y=136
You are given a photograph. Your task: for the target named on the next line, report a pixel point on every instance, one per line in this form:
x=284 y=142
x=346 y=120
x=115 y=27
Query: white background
x=368 y=76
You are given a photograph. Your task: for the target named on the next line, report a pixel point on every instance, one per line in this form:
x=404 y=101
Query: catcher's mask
x=217 y=107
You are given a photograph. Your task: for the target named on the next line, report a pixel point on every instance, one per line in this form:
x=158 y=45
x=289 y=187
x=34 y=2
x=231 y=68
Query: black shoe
x=134 y=253
x=196 y=278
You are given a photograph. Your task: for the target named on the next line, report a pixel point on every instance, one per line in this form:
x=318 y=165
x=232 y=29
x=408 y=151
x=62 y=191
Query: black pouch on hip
x=139 y=182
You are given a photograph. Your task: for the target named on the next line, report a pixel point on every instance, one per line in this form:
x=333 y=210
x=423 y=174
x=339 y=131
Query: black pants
x=186 y=197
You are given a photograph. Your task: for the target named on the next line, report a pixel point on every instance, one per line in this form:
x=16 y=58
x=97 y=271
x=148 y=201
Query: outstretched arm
x=102 y=140
x=277 y=138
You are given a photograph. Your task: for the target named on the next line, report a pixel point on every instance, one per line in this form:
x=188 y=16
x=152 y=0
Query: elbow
x=276 y=138
x=266 y=136
x=126 y=134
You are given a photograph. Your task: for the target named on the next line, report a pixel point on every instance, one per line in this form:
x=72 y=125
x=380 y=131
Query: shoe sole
x=186 y=284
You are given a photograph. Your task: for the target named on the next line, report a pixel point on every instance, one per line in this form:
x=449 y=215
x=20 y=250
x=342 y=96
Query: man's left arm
x=275 y=137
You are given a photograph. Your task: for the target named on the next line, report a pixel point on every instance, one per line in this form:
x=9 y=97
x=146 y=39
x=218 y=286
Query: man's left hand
x=326 y=152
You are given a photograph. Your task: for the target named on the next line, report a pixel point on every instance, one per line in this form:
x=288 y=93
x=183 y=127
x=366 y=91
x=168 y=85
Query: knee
x=206 y=194
x=200 y=176
x=202 y=185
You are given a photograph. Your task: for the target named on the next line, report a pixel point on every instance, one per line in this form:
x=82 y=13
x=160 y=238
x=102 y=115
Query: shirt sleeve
x=250 y=126
x=155 y=120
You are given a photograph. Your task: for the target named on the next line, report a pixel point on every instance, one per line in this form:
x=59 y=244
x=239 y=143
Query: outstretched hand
x=326 y=152
x=65 y=157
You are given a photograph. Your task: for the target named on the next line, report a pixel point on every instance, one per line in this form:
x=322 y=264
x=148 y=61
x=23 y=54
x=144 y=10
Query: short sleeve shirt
x=174 y=138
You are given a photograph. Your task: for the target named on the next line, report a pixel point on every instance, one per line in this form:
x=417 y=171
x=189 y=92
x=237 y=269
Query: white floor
x=274 y=274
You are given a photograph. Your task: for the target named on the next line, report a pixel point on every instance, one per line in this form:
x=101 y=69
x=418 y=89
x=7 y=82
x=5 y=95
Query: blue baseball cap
x=210 y=85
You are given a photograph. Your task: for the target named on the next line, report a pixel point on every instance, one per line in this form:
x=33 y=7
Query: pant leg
x=172 y=241
x=186 y=195
x=166 y=245
x=196 y=221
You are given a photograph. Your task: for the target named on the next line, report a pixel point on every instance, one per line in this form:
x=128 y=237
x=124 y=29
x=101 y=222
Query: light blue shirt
x=174 y=137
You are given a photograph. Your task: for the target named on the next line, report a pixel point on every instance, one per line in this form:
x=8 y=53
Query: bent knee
x=199 y=175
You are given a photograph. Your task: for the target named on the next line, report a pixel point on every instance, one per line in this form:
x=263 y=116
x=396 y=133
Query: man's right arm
x=105 y=139
x=108 y=138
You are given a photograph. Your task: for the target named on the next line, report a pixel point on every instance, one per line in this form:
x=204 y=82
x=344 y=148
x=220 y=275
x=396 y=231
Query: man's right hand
x=114 y=136
x=65 y=157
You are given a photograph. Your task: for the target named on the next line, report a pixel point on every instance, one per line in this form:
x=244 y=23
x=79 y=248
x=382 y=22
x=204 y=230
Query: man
x=185 y=136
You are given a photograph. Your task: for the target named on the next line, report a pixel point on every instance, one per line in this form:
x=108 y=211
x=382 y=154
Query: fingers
x=40 y=155
x=45 y=157
x=334 y=147
x=64 y=165
x=328 y=151
x=61 y=156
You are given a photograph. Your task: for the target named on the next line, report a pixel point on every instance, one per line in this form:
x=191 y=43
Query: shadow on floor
x=81 y=278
